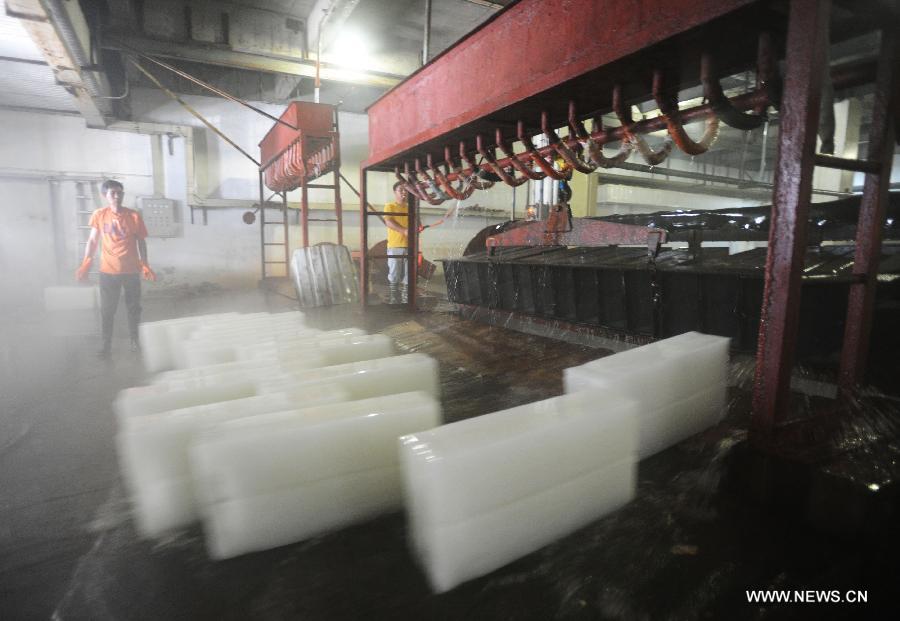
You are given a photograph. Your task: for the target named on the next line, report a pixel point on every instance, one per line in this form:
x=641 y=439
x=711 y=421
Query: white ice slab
x=205 y=351
x=157 y=338
x=71 y=298
x=282 y=477
x=163 y=505
x=454 y=553
x=368 y=378
x=294 y=448
x=280 y=518
x=679 y=384
x=142 y=400
x=332 y=349
x=468 y=470
x=153 y=454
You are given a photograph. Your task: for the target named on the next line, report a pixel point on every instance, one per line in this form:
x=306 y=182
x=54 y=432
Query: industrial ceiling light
x=351 y=49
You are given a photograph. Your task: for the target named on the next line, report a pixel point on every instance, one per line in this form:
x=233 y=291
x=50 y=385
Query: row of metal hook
x=296 y=164
x=582 y=150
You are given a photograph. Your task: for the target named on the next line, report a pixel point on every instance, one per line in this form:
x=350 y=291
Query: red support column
x=338 y=206
x=287 y=231
x=412 y=249
x=262 y=227
x=304 y=205
x=363 y=239
x=858 y=327
x=806 y=41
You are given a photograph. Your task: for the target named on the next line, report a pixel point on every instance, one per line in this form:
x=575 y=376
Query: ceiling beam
x=326 y=18
x=242 y=60
x=58 y=31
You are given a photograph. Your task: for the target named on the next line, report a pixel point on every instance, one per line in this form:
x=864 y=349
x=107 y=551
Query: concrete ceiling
x=255 y=49
x=26 y=80
x=258 y=50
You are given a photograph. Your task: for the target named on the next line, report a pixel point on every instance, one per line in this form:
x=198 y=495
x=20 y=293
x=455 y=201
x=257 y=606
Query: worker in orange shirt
x=123 y=259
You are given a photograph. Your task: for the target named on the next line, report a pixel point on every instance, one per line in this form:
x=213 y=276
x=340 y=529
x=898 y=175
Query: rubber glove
x=147 y=272
x=81 y=274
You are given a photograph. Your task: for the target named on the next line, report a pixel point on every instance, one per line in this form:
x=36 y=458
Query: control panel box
x=160 y=216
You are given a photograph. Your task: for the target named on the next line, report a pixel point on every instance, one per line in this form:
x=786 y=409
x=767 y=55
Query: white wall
x=39 y=149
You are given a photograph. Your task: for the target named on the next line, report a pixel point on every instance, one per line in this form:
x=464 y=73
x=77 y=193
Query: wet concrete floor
x=695 y=539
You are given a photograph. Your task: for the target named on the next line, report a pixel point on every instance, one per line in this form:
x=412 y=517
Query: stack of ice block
x=153 y=453
x=272 y=358
x=274 y=370
x=678 y=384
x=189 y=341
x=485 y=491
x=218 y=342
x=278 y=478
x=160 y=339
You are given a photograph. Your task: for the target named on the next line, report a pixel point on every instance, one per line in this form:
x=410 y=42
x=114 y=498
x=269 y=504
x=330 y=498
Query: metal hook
x=721 y=105
x=515 y=161
x=496 y=168
x=672 y=116
x=562 y=149
x=536 y=157
x=623 y=113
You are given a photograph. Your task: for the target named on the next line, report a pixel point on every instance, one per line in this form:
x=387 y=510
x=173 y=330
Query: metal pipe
x=209 y=87
x=196 y=114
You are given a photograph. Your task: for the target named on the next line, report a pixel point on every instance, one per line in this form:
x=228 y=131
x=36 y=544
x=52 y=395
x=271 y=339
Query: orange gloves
x=81 y=273
x=147 y=272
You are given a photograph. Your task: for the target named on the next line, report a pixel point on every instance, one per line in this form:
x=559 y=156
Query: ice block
x=329 y=465
x=503 y=469
x=153 y=453
x=368 y=378
x=154 y=398
x=157 y=338
x=678 y=383
x=274 y=519
x=461 y=551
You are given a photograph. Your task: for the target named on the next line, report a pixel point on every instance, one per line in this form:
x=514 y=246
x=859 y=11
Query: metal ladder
x=266 y=238
x=85 y=196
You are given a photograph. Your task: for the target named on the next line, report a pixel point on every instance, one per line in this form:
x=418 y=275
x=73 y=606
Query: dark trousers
x=110 y=284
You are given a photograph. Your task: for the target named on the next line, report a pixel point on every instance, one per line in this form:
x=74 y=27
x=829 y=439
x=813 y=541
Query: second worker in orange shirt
x=121 y=233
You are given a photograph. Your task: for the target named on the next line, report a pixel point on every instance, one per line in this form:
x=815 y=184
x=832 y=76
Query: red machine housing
x=301 y=148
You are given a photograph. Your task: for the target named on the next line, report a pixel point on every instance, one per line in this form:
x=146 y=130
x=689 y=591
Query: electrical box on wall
x=160 y=217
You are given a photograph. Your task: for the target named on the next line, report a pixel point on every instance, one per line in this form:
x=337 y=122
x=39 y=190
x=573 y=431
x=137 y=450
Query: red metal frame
x=303 y=148
x=483 y=76
x=604 y=55
x=858 y=326
x=807 y=38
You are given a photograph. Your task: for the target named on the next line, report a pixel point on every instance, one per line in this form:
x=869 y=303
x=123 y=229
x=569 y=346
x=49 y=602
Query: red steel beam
x=806 y=41
x=531 y=47
x=858 y=327
x=848 y=75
